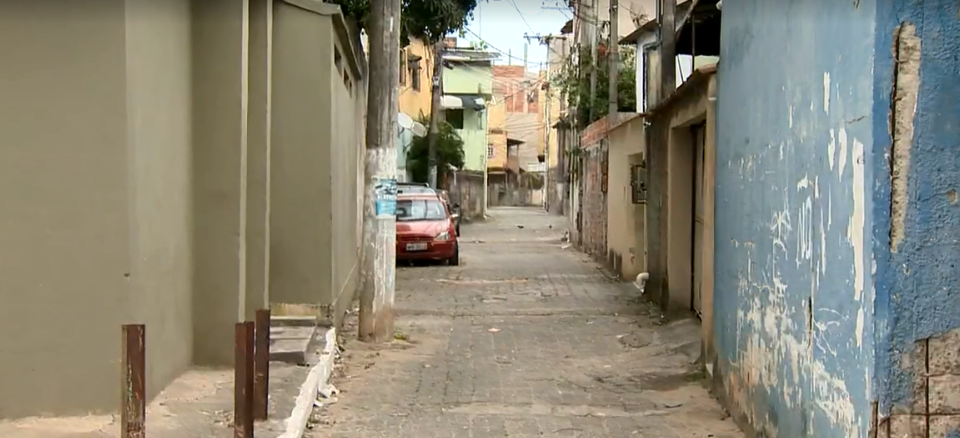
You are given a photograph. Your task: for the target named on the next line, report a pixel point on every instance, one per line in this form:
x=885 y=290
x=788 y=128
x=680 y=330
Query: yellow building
x=497 y=135
x=416 y=73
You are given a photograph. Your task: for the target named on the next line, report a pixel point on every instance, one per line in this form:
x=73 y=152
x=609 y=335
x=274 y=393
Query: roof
x=648 y=28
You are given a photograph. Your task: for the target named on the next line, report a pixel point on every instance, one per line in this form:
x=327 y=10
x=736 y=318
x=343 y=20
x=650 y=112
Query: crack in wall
x=906 y=87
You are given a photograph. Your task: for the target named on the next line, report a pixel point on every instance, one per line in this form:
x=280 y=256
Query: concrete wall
x=96 y=168
x=219 y=117
x=50 y=179
x=475 y=141
x=468 y=78
x=625 y=230
x=800 y=149
x=158 y=66
x=317 y=89
x=915 y=215
x=837 y=218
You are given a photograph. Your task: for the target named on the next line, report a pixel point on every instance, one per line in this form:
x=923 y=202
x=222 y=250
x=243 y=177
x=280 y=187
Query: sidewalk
x=199 y=404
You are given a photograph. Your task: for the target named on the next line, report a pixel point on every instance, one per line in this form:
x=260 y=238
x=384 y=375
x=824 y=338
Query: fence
x=466 y=188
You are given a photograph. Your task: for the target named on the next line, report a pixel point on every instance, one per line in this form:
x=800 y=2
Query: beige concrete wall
x=158 y=45
x=344 y=151
x=301 y=131
x=95 y=158
x=624 y=237
x=684 y=112
x=64 y=232
x=318 y=96
x=258 y=156
x=219 y=30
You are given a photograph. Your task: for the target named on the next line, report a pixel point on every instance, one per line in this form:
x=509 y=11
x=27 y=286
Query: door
x=699 y=137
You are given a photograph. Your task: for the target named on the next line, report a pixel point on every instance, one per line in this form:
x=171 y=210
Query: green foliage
x=449 y=152
x=574 y=82
x=428 y=20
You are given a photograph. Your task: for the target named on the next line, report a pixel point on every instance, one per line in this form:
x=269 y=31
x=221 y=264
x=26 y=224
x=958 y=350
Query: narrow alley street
x=525 y=339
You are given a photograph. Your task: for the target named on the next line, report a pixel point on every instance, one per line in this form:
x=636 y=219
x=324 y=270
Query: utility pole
x=668 y=48
x=547 y=40
x=436 y=113
x=613 y=57
x=593 y=53
x=379 y=210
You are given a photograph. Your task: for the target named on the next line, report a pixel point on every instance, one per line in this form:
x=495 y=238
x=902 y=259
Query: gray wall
x=314 y=202
x=95 y=177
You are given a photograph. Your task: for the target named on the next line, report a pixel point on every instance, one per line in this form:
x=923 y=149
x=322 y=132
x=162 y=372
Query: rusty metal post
x=243 y=381
x=133 y=410
x=261 y=365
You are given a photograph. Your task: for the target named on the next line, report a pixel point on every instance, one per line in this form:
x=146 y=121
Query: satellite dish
x=404 y=121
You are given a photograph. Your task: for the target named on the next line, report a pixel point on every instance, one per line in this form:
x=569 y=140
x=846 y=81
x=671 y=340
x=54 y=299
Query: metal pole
x=243 y=380
x=133 y=410
x=261 y=365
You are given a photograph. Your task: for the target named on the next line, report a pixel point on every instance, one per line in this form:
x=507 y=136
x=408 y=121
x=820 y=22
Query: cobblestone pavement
x=525 y=339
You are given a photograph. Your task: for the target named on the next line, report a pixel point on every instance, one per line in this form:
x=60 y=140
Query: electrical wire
x=514 y=4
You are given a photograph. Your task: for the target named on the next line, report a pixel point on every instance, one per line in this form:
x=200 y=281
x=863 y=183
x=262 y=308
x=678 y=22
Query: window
x=415 y=210
x=490 y=151
x=415 y=77
x=455 y=118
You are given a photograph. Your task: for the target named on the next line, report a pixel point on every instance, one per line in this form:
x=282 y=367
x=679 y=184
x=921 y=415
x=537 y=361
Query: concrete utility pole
x=593 y=53
x=436 y=112
x=668 y=48
x=613 y=57
x=380 y=194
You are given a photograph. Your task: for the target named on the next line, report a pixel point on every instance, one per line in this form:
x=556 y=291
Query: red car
x=426 y=229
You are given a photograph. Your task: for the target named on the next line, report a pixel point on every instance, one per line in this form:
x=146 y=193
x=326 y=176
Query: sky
x=502 y=24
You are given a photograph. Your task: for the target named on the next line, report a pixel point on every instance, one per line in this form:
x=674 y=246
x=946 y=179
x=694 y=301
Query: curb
x=319 y=375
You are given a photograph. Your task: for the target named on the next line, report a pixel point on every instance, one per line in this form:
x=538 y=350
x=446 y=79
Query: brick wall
x=934 y=410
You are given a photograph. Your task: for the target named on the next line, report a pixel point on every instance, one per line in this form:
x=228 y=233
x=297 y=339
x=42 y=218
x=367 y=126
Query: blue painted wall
x=813 y=310
x=793 y=292
x=918 y=287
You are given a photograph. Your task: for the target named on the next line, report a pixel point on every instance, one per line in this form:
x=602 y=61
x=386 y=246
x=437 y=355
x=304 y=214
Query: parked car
x=425 y=229
x=413 y=188
x=410 y=188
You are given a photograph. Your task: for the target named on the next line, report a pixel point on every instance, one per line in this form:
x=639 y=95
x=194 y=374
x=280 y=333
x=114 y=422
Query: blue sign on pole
x=386 y=197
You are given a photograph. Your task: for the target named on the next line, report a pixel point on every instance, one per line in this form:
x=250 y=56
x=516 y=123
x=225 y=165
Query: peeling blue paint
x=813 y=310
x=918 y=288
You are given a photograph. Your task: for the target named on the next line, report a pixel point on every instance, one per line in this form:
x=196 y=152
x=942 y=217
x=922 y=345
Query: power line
x=514 y=4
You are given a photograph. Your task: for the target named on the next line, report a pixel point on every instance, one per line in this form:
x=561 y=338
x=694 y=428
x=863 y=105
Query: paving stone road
x=525 y=339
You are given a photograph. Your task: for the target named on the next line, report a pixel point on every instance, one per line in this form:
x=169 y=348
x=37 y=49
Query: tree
x=427 y=20
x=574 y=83
x=430 y=21
x=449 y=153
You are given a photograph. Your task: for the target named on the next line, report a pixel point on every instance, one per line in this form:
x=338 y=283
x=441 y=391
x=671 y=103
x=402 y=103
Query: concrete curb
x=296 y=423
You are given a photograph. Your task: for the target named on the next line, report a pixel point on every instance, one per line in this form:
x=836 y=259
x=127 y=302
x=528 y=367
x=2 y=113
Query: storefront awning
x=463 y=101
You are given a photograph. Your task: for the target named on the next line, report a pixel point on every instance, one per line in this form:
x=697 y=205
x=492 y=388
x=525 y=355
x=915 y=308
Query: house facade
x=467 y=91
x=415 y=94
